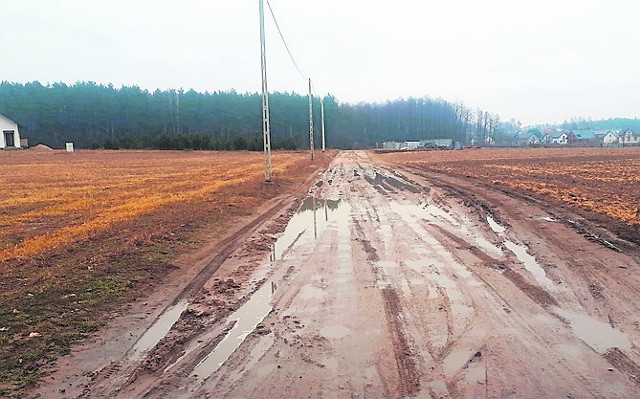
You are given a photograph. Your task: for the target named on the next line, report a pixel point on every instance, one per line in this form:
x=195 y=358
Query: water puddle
x=597 y=334
x=383 y=180
x=530 y=264
x=312 y=217
x=497 y=228
x=520 y=251
x=439 y=213
x=246 y=320
x=158 y=330
x=549 y=219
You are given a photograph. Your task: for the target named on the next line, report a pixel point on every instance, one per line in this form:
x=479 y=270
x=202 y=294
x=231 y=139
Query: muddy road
x=385 y=283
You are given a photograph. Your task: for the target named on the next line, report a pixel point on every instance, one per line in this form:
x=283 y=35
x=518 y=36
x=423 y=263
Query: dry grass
x=53 y=200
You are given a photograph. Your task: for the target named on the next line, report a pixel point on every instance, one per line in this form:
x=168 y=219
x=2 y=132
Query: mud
x=387 y=282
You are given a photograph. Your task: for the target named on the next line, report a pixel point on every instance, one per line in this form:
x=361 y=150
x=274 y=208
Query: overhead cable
x=285 y=42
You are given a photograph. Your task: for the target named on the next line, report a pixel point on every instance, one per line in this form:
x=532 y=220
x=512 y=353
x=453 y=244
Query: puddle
x=530 y=264
x=246 y=320
x=158 y=330
x=311 y=218
x=440 y=213
x=261 y=347
x=597 y=334
x=520 y=251
x=549 y=219
x=381 y=180
x=335 y=332
x=497 y=228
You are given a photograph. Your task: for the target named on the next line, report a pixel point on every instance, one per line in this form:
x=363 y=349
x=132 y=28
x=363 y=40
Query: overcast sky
x=535 y=61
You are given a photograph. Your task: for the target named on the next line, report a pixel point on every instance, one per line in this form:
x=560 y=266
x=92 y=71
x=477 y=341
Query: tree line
x=102 y=116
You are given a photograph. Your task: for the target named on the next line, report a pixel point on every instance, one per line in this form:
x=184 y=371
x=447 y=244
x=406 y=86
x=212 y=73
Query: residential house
x=627 y=137
x=600 y=134
x=558 y=137
x=525 y=139
x=611 y=138
x=585 y=137
x=10 y=137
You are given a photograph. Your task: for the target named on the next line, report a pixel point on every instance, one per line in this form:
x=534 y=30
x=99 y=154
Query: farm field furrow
x=604 y=181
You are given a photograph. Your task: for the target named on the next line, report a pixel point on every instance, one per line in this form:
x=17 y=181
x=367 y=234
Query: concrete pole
x=311 y=120
x=322 y=118
x=266 y=125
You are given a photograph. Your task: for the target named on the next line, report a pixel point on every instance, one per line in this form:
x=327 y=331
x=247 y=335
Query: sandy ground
x=384 y=283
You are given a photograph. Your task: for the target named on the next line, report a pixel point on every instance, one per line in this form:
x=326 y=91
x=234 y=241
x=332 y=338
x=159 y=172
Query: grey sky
x=536 y=61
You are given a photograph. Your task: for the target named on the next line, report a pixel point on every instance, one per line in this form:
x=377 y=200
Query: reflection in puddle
x=597 y=334
x=246 y=320
x=313 y=216
x=158 y=330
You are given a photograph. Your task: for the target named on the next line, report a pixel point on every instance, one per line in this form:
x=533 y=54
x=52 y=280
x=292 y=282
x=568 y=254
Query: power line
x=285 y=42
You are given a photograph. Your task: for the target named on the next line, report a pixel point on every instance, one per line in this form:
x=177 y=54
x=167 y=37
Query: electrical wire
x=285 y=42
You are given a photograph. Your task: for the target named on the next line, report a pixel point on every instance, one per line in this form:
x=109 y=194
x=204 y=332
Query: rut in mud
x=384 y=284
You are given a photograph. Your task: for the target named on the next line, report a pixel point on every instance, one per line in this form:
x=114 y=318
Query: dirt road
x=387 y=283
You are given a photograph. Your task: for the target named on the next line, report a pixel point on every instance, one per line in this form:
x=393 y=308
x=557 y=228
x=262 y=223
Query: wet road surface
x=385 y=283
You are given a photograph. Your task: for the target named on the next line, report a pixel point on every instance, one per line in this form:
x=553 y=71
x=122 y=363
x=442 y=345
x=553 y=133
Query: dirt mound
x=41 y=148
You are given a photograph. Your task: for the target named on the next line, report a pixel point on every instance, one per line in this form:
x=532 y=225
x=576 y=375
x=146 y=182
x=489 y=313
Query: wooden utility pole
x=311 y=120
x=266 y=125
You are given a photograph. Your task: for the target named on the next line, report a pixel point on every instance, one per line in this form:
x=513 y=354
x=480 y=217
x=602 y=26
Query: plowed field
x=603 y=181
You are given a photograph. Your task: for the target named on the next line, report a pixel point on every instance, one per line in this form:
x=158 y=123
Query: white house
x=10 y=137
x=559 y=137
x=629 y=138
x=526 y=138
x=610 y=138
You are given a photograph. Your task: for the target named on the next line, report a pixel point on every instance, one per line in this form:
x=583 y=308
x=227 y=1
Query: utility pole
x=311 y=119
x=266 y=125
x=322 y=119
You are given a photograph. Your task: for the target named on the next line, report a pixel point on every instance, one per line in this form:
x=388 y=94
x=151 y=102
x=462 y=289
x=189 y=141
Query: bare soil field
x=385 y=279
x=84 y=234
x=604 y=181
